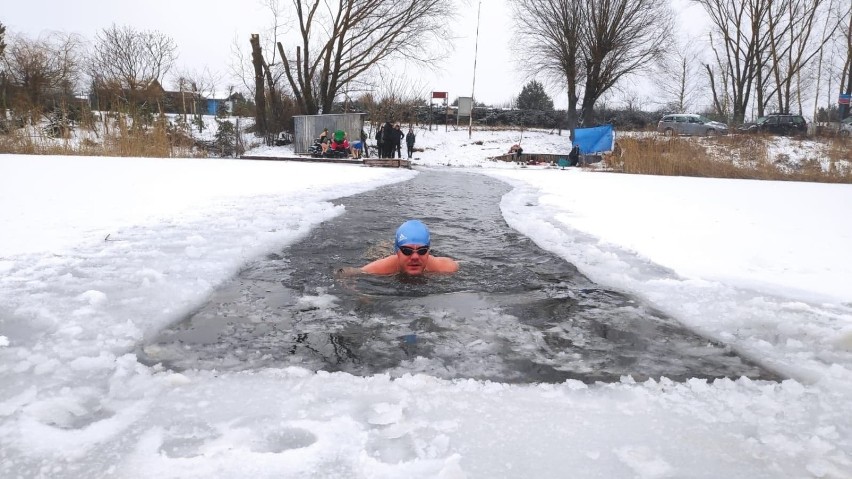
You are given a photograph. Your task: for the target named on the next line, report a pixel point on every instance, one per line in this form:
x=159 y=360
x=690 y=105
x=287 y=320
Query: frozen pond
x=514 y=313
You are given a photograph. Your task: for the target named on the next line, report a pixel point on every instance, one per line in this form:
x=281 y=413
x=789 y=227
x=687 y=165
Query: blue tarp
x=598 y=139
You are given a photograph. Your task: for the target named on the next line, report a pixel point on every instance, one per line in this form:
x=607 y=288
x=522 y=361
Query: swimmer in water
x=412 y=255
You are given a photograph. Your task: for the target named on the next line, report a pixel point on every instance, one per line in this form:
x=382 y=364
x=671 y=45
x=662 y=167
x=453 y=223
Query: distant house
x=214 y=104
x=154 y=98
x=228 y=102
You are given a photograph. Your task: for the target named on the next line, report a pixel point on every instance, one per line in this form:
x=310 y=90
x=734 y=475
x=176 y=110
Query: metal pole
x=473 y=87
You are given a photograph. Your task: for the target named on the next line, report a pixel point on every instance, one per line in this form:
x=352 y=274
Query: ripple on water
x=513 y=313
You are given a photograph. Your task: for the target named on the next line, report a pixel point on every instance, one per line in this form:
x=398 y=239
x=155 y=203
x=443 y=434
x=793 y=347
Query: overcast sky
x=205 y=30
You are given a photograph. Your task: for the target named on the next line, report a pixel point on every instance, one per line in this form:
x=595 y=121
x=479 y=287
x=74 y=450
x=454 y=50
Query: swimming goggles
x=408 y=250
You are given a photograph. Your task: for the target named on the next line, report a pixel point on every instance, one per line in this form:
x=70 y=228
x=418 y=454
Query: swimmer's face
x=415 y=262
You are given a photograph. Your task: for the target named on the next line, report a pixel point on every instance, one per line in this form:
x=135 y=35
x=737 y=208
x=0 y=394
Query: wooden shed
x=308 y=127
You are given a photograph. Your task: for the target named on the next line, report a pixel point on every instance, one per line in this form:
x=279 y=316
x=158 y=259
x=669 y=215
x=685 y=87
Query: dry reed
x=119 y=140
x=732 y=156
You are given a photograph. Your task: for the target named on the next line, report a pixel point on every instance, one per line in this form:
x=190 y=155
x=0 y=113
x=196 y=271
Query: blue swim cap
x=411 y=232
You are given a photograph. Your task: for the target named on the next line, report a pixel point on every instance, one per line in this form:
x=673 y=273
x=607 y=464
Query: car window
x=702 y=119
x=798 y=120
x=680 y=119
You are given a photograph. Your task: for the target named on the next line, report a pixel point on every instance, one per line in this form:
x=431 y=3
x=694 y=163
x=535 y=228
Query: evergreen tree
x=533 y=97
x=226 y=138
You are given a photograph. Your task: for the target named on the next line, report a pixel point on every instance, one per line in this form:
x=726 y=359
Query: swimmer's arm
x=387 y=265
x=347 y=272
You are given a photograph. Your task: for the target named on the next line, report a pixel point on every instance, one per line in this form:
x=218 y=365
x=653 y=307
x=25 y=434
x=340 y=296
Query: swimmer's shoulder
x=387 y=265
x=442 y=264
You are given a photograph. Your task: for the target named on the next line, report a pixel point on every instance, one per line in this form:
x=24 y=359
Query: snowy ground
x=96 y=253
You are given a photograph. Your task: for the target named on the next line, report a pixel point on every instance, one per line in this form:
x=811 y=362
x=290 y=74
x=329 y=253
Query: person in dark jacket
x=409 y=141
x=517 y=151
x=389 y=140
x=397 y=144
x=380 y=134
x=574 y=156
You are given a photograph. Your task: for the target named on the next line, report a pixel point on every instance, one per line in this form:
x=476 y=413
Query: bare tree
x=2 y=38
x=739 y=45
x=194 y=86
x=3 y=78
x=720 y=93
x=623 y=37
x=259 y=96
x=792 y=45
x=396 y=100
x=549 y=34
x=240 y=67
x=766 y=47
x=591 y=44
x=130 y=60
x=846 y=19
x=679 y=77
x=340 y=41
x=42 y=68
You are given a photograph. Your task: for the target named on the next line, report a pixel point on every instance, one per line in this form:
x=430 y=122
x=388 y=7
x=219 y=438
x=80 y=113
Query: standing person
x=409 y=141
x=397 y=141
x=380 y=134
x=517 y=151
x=366 y=151
x=389 y=137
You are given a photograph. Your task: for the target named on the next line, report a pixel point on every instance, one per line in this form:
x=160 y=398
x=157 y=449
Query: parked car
x=684 y=124
x=846 y=127
x=779 y=124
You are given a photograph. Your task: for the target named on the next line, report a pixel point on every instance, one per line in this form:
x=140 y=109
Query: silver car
x=684 y=124
x=846 y=127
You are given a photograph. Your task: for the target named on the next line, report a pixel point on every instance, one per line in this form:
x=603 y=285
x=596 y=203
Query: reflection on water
x=514 y=313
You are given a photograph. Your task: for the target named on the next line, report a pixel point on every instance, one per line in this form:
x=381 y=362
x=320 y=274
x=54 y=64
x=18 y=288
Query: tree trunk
x=275 y=107
x=844 y=109
x=259 y=97
x=716 y=104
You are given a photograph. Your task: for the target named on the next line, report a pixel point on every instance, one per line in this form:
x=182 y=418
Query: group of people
x=389 y=140
x=340 y=142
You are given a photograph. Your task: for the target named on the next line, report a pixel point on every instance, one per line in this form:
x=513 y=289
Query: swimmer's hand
x=347 y=272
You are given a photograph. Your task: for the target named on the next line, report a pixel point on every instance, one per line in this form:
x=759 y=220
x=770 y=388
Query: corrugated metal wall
x=308 y=128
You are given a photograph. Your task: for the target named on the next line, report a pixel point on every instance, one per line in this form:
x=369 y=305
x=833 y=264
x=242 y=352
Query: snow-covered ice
x=98 y=253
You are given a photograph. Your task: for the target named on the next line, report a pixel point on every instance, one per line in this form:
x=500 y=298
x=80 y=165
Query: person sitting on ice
x=357 y=149
x=339 y=141
x=324 y=140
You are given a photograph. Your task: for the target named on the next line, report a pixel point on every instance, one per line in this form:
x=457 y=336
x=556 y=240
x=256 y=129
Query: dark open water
x=514 y=313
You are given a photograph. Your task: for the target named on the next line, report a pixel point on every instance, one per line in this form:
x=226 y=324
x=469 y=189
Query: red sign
x=439 y=94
